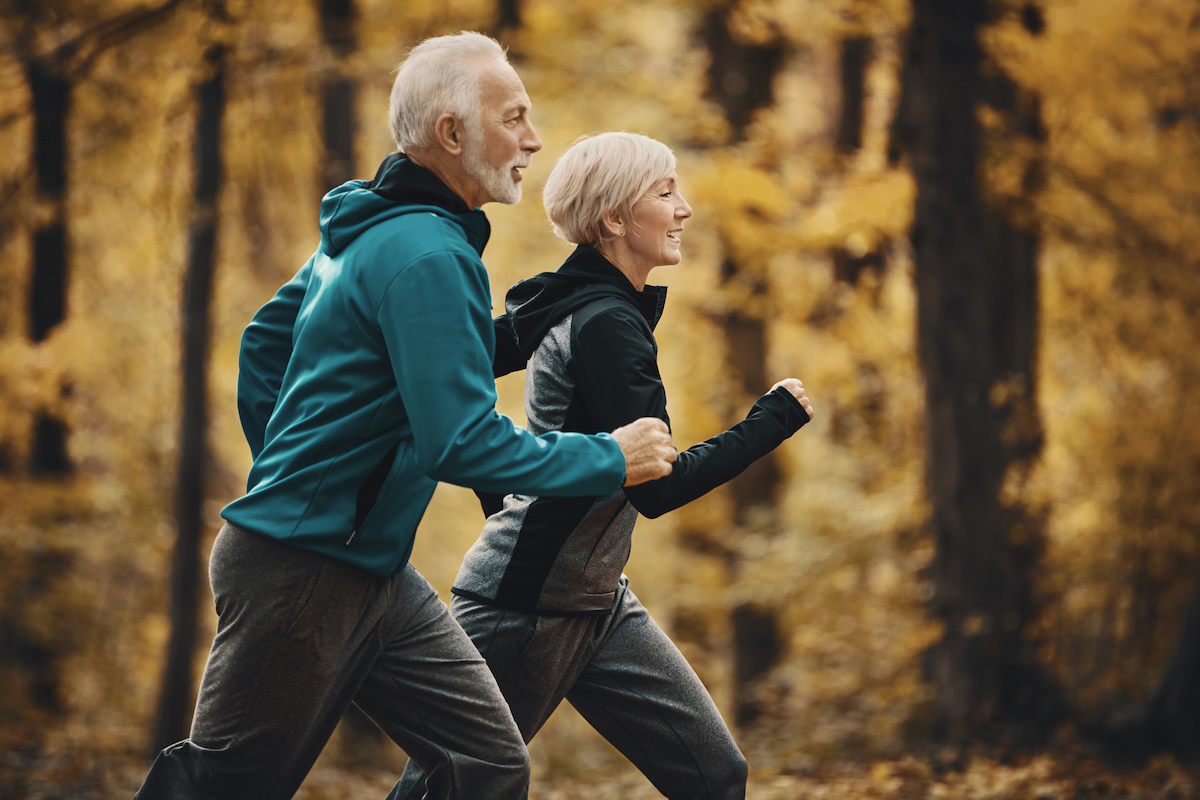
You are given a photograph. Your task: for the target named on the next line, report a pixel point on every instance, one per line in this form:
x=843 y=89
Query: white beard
x=496 y=181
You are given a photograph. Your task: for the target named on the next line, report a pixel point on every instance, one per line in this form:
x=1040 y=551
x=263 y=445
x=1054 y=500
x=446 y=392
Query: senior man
x=363 y=382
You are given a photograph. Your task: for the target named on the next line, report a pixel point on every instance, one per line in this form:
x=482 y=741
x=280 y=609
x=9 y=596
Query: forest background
x=971 y=228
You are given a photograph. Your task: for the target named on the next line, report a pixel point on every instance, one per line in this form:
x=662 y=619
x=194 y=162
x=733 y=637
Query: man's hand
x=648 y=450
x=797 y=389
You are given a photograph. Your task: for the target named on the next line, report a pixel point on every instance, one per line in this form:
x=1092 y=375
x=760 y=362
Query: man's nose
x=531 y=141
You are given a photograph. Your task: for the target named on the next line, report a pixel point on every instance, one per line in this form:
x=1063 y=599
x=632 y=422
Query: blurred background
x=971 y=227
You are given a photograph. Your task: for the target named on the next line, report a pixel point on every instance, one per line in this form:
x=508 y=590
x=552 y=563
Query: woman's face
x=653 y=235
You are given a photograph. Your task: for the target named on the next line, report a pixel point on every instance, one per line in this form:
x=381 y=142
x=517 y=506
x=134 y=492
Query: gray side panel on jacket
x=585 y=573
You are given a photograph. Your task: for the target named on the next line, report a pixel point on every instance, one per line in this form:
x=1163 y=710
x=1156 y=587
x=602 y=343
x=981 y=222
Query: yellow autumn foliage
x=842 y=557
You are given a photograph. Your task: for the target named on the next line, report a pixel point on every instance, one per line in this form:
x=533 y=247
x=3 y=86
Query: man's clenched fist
x=648 y=450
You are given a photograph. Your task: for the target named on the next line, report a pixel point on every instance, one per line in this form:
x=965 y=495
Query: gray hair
x=440 y=75
x=602 y=175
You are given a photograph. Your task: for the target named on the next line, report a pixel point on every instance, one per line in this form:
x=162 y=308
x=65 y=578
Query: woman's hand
x=794 y=386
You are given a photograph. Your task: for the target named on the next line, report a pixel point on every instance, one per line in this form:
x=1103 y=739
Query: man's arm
x=617 y=373
x=437 y=325
x=263 y=357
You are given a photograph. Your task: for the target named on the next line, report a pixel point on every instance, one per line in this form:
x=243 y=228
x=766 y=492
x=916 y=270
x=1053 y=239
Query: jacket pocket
x=371 y=488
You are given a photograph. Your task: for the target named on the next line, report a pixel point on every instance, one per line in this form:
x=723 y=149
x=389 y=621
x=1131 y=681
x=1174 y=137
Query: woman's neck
x=637 y=277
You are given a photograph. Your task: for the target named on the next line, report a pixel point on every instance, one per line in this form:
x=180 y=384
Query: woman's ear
x=613 y=226
x=450 y=134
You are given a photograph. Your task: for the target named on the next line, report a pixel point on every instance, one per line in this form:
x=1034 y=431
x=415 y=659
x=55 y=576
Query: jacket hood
x=537 y=304
x=401 y=186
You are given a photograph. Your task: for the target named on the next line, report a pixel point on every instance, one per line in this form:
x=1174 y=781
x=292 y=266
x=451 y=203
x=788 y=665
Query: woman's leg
x=533 y=659
x=640 y=693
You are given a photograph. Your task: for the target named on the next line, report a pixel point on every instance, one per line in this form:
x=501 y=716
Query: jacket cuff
x=783 y=405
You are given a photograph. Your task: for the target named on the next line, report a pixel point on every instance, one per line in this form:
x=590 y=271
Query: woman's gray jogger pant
x=624 y=676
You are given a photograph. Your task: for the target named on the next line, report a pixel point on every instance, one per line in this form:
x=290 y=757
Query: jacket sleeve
x=508 y=356
x=508 y=359
x=263 y=357
x=437 y=326
x=617 y=372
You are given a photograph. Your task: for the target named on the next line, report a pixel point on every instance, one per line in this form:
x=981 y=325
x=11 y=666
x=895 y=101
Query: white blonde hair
x=440 y=75
x=602 y=175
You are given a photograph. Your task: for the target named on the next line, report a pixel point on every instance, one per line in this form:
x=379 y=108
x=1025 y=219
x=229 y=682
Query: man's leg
x=294 y=641
x=534 y=661
x=433 y=694
x=640 y=693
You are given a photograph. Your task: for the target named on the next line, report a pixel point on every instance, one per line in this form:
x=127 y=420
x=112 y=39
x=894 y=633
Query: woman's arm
x=616 y=370
x=508 y=356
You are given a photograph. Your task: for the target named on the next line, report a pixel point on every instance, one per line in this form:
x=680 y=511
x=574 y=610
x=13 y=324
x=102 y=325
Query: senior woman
x=541 y=593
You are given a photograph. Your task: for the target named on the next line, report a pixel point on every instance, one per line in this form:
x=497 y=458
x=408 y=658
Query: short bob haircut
x=440 y=75
x=602 y=175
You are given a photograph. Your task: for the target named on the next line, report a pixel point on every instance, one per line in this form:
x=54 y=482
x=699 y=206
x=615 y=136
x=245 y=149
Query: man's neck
x=449 y=171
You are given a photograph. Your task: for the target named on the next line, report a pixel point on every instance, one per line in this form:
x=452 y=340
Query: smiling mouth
x=674 y=235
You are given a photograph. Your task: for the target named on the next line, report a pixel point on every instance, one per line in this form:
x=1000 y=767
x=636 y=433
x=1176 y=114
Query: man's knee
x=512 y=761
x=515 y=757
x=739 y=769
x=726 y=777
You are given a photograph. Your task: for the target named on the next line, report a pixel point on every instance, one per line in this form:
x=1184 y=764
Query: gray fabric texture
x=624 y=676
x=584 y=573
x=300 y=636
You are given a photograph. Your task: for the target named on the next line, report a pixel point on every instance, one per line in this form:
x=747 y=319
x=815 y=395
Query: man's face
x=504 y=140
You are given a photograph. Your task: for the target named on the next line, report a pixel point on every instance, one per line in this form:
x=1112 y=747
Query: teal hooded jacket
x=367 y=379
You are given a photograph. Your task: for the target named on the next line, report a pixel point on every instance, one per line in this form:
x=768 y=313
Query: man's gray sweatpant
x=624 y=676
x=300 y=636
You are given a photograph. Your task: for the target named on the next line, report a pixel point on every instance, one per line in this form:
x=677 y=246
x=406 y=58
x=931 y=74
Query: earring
x=622 y=231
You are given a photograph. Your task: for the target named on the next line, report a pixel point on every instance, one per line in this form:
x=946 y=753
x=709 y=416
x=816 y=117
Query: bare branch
x=1126 y=224
x=76 y=57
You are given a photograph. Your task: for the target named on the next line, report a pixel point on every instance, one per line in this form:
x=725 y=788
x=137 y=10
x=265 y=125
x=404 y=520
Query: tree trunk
x=758 y=642
x=1170 y=719
x=176 y=698
x=740 y=76
x=856 y=52
x=339 y=92
x=508 y=18
x=977 y=322
x=740 y=81
x=51 y=95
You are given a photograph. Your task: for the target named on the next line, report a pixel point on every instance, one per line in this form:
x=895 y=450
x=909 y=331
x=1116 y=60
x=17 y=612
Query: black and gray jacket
x=585 y=337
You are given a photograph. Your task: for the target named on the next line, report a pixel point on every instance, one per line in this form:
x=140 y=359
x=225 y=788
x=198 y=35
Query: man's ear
x=450 y=134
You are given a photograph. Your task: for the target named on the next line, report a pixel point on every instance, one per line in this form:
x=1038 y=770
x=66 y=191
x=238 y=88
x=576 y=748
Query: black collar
x=588 y=262
x=402 y=180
